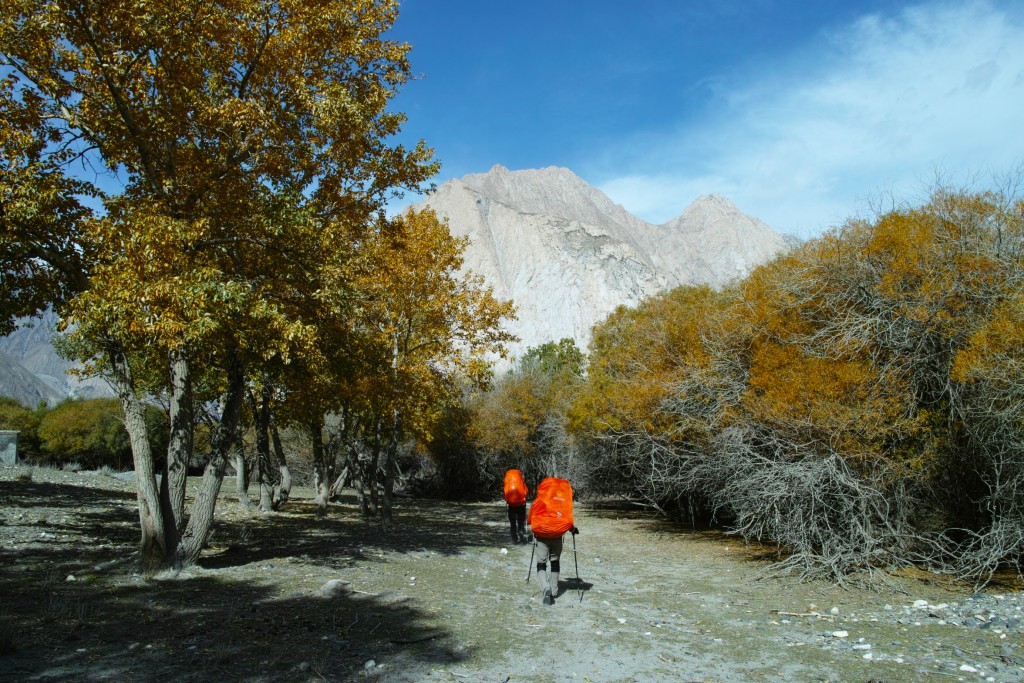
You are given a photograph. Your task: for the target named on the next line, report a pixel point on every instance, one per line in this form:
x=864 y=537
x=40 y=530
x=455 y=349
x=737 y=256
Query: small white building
x=9 y=447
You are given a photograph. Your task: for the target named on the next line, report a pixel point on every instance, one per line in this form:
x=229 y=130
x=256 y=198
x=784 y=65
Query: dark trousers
x=517 y=522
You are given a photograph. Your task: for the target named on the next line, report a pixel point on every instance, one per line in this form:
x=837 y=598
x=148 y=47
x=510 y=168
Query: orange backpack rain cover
x=551 y=512
x=515 y=488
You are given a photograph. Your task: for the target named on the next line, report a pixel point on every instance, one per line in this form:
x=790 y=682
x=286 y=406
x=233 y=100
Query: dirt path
x=444 y=598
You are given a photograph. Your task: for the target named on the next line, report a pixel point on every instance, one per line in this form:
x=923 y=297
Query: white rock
x=504 y=551
x=920 y=604
x=862 y=646
x=840 y=634
x=967 y=668
x=834 y=610
x=335 y=588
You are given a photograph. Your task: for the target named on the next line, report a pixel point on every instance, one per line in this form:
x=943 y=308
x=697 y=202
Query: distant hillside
x=567 y=255
x=17 y=382
x=29 y=349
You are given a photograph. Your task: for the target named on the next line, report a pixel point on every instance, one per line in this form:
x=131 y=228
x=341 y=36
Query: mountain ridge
x=29 y=349
x=568 y=255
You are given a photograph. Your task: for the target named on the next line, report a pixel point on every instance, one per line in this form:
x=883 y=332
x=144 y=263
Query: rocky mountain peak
x=550 y=191
x=568 y=255
x=711 y=208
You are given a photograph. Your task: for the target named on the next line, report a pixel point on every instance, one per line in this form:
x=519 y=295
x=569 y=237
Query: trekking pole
x=574 y=559
x=529 y=569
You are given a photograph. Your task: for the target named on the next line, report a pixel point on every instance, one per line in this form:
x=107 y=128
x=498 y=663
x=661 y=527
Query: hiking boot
x=548 y=598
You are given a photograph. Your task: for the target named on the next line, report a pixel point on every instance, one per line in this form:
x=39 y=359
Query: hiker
x=550 y=519
x=515 y=496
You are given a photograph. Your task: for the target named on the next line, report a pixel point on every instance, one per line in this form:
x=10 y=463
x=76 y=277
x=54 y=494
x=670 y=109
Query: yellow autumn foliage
x=637 y=356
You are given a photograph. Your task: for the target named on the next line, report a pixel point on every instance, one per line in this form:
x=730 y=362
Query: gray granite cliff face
x=568 y=256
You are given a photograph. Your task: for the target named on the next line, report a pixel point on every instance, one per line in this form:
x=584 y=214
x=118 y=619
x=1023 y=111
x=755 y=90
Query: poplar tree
x=251 y=142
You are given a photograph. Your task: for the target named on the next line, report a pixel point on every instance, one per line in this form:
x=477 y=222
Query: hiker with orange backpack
x=550 y=518
x=515 y=495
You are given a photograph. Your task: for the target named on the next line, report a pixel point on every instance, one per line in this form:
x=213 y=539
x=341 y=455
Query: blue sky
x=803 y=113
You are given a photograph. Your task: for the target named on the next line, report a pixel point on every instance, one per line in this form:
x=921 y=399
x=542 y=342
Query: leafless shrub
x=976 y=556
x=993 y=418
x=829 y=519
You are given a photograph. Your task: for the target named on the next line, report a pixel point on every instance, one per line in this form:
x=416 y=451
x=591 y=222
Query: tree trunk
x=261 y=420
x=358 y=481
x=340 y=481
x=391 y=468
x=321 y=471
x=284 y=486
x=153 y=548
x=372 y=477
x=198 y=529
x=179 y=446
x=242 y=478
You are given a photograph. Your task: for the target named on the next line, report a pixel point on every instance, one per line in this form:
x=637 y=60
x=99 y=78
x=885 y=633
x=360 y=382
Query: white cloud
x=808 y=141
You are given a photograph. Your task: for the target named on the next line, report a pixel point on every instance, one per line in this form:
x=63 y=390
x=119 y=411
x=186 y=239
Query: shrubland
x=857 y=401
x=79 y=433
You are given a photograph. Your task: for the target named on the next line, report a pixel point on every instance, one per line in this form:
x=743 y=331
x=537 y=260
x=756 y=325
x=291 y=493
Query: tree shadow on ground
x=32 y=494
x=206 y=629
x=345 y=536
x=110 y=624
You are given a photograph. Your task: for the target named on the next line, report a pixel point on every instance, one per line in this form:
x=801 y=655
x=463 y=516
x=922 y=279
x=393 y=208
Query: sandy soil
x=444 y=597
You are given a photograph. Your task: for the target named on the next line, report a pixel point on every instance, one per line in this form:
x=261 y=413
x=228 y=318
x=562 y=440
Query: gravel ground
x=444 y=597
